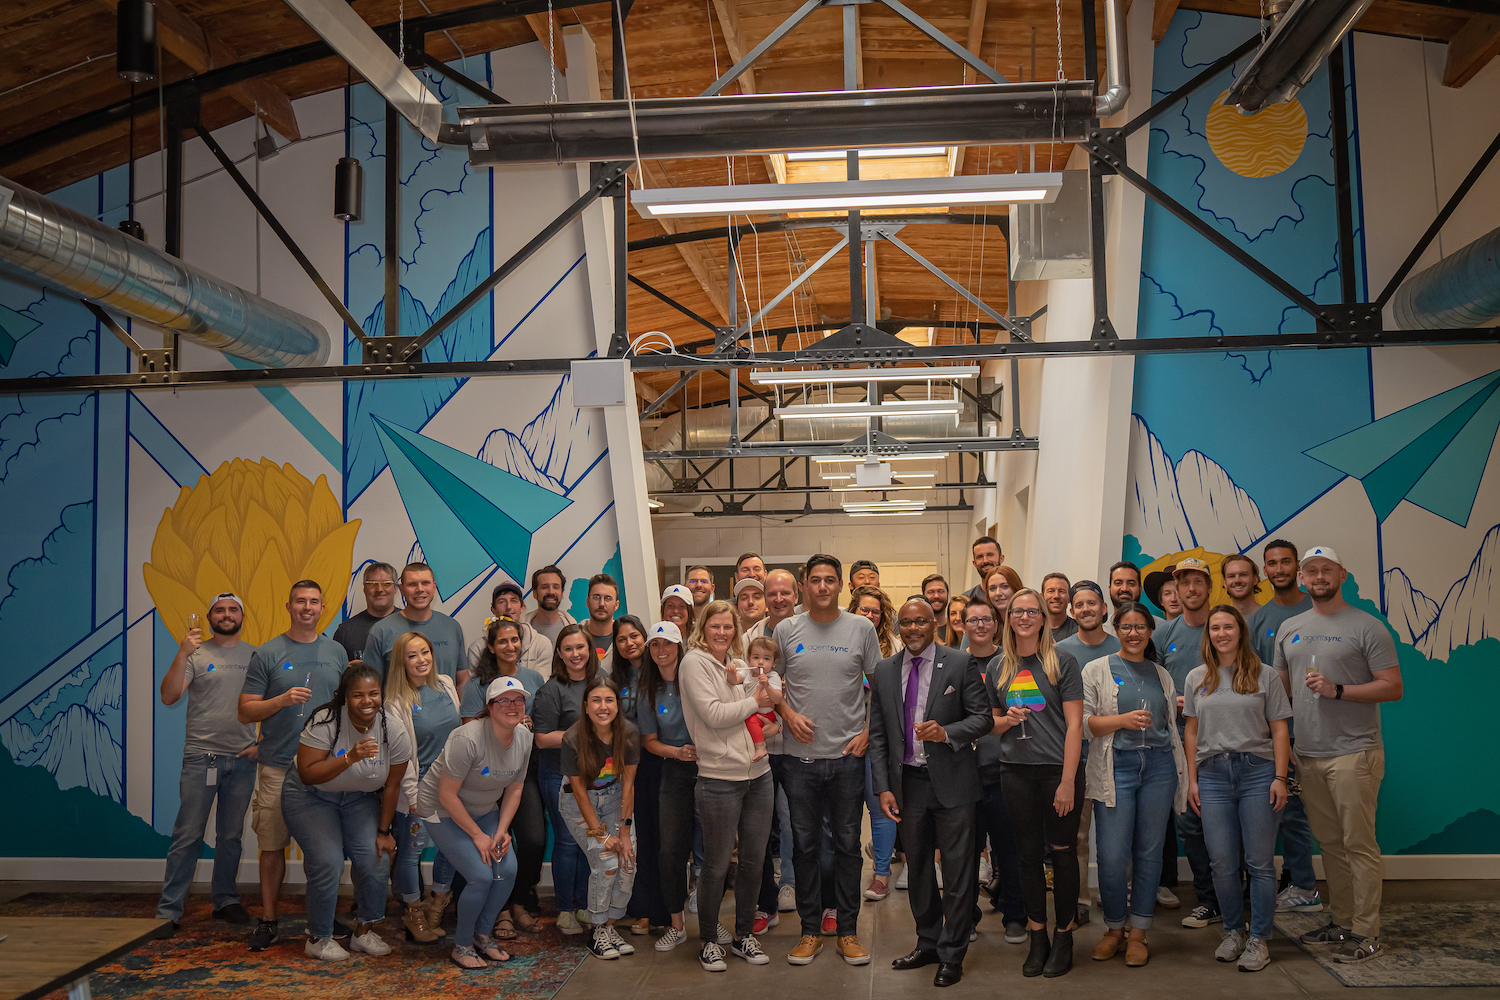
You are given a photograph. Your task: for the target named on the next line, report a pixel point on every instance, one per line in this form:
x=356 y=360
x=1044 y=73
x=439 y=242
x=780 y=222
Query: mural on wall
x=125 y=511
x=1229 y=451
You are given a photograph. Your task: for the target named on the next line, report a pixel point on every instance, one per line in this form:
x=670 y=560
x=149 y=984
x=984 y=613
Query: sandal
x=460 y=952
x=487 y=948
x=505 y=928
x=525 y=922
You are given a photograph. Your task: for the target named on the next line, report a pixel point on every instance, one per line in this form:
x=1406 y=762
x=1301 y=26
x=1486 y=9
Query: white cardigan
x=1101 y=697
x=404 y=804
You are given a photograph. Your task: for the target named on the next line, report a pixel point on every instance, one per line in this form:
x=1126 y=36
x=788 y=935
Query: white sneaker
x=621 y=945
x=325 y=950
x=1298 y=899
x=692 y=906
x=984 y=869
x=567 y=923
x=1255 y=957
x=1231 y=946
x=901 y=879
x=370 y=943
x=1166 y=897
x=672 y=939
x=786 y=898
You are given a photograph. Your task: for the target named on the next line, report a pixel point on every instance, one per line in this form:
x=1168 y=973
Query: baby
x=762 y=654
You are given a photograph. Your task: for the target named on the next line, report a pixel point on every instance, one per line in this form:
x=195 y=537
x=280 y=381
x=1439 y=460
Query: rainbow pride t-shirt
x=1046 y=729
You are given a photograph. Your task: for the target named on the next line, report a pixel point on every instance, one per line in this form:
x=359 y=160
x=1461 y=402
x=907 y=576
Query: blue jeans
x=332 y=826
x=1235 y=790
x=570 y=870
x=1131 y=833
x=487 y=885
x=1296 y=844
x=992 y=824
x=411 y=840
x=610 y=883
x=831 y=788
x=882 y=829
x=234 y=785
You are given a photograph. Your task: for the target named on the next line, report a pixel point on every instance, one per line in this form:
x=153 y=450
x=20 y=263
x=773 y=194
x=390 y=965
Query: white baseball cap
x=747 y=583
x=678 y=591
x=1322 y=552
x=666 y=630
x=500 y=685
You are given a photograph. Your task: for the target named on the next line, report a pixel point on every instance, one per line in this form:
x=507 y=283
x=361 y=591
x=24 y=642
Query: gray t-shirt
x=367 y=775
x=1140 y=689
x=475 y=690
x=1264 y=624
x=1048 y=726
x=556 y=707
x=1081 y=651
x=215 y=675
x=662 y=716
x=1180 y=646
x=281 y=664
x=549 y=630
x=1067 y=629
x=445 y=635
x=1348 y=647
x=1229 y=722
x=475 y=757
x=823 y=667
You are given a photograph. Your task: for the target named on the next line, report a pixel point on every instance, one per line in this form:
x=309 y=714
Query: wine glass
x=1312 y=668
x=302 y=709
x=1146 y=707
x=920 y=745
x=1018 y=702
x=195 y=621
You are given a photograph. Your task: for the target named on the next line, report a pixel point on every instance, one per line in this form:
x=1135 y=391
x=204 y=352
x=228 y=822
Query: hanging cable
x=552 y=54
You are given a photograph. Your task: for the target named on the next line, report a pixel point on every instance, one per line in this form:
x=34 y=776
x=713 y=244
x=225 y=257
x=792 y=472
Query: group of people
x=984 y=733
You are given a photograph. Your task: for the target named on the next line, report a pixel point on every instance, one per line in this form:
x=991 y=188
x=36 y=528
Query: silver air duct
x=1300 y=43
x=1116 y=62
x=56 y=246
x=1461 y=291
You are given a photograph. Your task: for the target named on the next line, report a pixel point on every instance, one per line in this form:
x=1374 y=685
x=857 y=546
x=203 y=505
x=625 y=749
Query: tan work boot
x=417 y=927
x=1109 y=945
x=437 y=904
x=852 y=951
x=805 y=950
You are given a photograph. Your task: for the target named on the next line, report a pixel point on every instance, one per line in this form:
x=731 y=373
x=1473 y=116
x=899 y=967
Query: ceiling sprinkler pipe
x=1461 y=291
x=55 y=246
x=1116 y=62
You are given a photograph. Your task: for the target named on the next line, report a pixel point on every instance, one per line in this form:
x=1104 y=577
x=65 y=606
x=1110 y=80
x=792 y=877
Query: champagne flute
x=1312 y=668
x=1017 y=702
x=1146 y=707
x=195 y=621
x=920 y=744
x=307 y=683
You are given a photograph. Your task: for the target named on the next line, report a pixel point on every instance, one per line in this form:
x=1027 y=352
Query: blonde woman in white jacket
x=427 y=704
x=734 y=793
x=1137 y=776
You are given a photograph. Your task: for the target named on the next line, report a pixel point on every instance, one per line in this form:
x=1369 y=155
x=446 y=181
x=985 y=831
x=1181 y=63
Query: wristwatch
x=384 y=833
x=626 y=822
x=1338 y=692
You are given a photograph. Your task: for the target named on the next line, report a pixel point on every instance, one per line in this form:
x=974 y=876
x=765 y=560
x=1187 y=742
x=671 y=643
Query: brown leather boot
x=437 y=903
x=1109 y=945
x=415 y=920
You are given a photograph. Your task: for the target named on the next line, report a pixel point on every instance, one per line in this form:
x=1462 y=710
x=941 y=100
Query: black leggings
x=676 y=807
x=529 y=831
x=1029 y=791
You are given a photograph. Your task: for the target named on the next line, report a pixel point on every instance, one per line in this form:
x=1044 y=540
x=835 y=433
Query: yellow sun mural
x=254 y=529
x=1258 y=145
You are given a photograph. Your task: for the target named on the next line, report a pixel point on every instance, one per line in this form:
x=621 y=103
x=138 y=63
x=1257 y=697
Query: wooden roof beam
x=203 y=50
x=729 y=23
x=1161 y=19
x=691 y=255
x=542 y=30
x=1469 y=51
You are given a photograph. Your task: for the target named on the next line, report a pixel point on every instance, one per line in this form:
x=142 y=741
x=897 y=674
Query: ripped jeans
x=610 y=883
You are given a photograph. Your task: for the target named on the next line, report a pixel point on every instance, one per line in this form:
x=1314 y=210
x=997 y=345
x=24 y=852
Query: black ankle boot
x=1061 y=959
x=1036 y=961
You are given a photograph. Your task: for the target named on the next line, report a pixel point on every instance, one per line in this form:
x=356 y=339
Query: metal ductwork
x=1301 y=41
x=53 y=245
x=1461 y=291
x=1116 y=62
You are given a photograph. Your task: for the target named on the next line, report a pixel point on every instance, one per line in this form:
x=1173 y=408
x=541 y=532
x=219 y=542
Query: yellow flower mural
x=253 y=528
x=1214 y=560
x=1258 y=145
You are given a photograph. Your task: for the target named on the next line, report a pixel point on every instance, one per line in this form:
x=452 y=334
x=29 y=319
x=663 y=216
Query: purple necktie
x=913 y=681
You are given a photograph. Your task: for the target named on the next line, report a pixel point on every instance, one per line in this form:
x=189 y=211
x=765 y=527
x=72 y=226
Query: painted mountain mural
x=1175 y=507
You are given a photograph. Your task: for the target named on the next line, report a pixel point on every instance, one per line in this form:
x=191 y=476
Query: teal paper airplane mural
x=13 y=326
x=1432 y=453
x=466 y=513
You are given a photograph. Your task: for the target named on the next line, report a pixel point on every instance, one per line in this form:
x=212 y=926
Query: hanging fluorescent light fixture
x=867 y=154
x=885 y=505
x=903 y=475
x=890 y=408
x=873 y=489
x=885 y=513
x=943 y=373
x=839 y=196
x=926 y=456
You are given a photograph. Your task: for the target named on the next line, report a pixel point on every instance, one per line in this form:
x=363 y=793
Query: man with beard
x=547 y=586
x=700 y=583
x=443 y=634
x=1241 y=577
x=1339 y=663
x=750 y=566
x=1055 y=594
x=604 y=601
x=218 y=760
x=1124 y=583
x=380 y=601
x=935 y=592
x=985 y=555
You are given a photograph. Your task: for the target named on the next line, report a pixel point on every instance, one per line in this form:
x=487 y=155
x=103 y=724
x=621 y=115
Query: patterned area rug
x=1426 y=944
x=207 y=958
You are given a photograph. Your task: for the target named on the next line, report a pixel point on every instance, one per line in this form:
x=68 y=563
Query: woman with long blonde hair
x=1038 y=707
x=1238 y=750
x=427 y=704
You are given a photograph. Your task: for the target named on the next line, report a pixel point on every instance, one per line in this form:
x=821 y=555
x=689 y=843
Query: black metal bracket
x=386 y=350
x=1354 y=317
x=614 y=179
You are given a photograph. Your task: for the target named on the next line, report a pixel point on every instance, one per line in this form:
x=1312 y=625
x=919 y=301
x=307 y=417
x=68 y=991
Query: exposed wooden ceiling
x=56 y=62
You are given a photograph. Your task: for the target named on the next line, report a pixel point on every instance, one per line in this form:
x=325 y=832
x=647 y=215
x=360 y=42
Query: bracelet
x=1281 y=778
x=384 y=833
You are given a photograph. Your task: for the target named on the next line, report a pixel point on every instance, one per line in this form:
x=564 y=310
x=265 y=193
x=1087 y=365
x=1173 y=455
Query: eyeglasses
x=602 y=598
x=1132 y=628
x=915 y=622
x=979 y=620
x=1025 y=613
x=509 y=702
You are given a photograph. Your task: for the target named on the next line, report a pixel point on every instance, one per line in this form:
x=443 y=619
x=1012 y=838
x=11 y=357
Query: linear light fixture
x=885 y=513
x=926 y=456
x=944 y=373
x=853 y=505
x=873 y=489
x=838 y=196
x=890 y=408
x=903 y=475
x=867 y=154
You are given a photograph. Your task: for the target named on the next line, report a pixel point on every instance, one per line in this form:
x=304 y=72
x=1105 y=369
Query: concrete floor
x=1182 y=962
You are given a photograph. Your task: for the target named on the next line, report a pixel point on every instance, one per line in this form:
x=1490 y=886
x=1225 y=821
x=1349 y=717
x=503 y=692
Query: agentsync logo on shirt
x=1172 y=648
x=1318 y=638
x=821 y=648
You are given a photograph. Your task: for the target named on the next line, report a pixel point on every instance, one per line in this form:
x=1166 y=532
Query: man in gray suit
x=928 y=706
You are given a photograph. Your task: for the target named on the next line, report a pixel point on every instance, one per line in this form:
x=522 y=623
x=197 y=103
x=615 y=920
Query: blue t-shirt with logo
x=280 y=665
x=662 y=717
x=1264 y=623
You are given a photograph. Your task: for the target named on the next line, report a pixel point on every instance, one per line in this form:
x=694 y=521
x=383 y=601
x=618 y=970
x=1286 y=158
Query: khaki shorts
x=265 y=809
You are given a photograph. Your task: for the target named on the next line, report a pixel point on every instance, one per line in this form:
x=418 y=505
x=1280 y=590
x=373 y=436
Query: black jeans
x=676 y=807
x=769 y=889
x=1029 y=791
x=529 y=831
x=647 y=901
x=732 y=811
x=833 y=788
x=992 y=822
